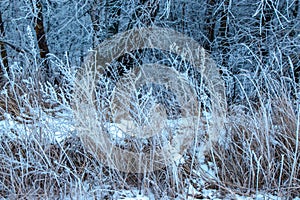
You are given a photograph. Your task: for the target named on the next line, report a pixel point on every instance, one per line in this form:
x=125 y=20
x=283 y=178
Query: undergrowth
x=258 y=153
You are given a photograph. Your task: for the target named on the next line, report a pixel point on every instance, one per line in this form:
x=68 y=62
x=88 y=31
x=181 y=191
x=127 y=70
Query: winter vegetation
x=149 y=99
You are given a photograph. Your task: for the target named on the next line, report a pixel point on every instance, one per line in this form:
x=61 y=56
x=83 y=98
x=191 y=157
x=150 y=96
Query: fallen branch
x=14 y=47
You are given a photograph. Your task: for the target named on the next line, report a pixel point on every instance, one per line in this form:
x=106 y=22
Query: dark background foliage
x=245 y=38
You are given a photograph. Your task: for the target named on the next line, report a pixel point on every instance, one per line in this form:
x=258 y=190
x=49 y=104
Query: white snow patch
x=59 y=127
x=132 y=195
x=56 y=128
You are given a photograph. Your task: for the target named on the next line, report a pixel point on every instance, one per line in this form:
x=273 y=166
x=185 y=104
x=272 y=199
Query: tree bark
x=2 y=46
x=296 y=57
x=223 y=31
x=183 y=23
x=210 y=24
x=41 y=39
x=225 y=48
x=265 y=29
x=3 y=53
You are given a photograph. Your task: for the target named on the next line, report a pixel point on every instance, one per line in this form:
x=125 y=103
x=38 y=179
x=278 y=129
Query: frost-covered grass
x=260 y=150
x=42 y=156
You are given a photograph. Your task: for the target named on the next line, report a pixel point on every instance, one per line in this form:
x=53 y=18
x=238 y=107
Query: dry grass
x=261 y=150
x=30 y=169
x=258 y=153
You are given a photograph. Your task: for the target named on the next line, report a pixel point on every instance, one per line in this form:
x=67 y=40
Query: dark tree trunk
x=265 y=29
x=296 y=57
x=2 y=45
x=3 y=69
x=41 y=39
x=225 y=48
x=223 y=34
x=210 y=24
x=183 y=22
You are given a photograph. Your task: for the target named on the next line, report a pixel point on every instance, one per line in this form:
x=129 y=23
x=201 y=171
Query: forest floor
x=59 y=129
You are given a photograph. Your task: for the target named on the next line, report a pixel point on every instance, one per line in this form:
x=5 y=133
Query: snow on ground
x=63 y=125
x=56 y=128
x=133 y=195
